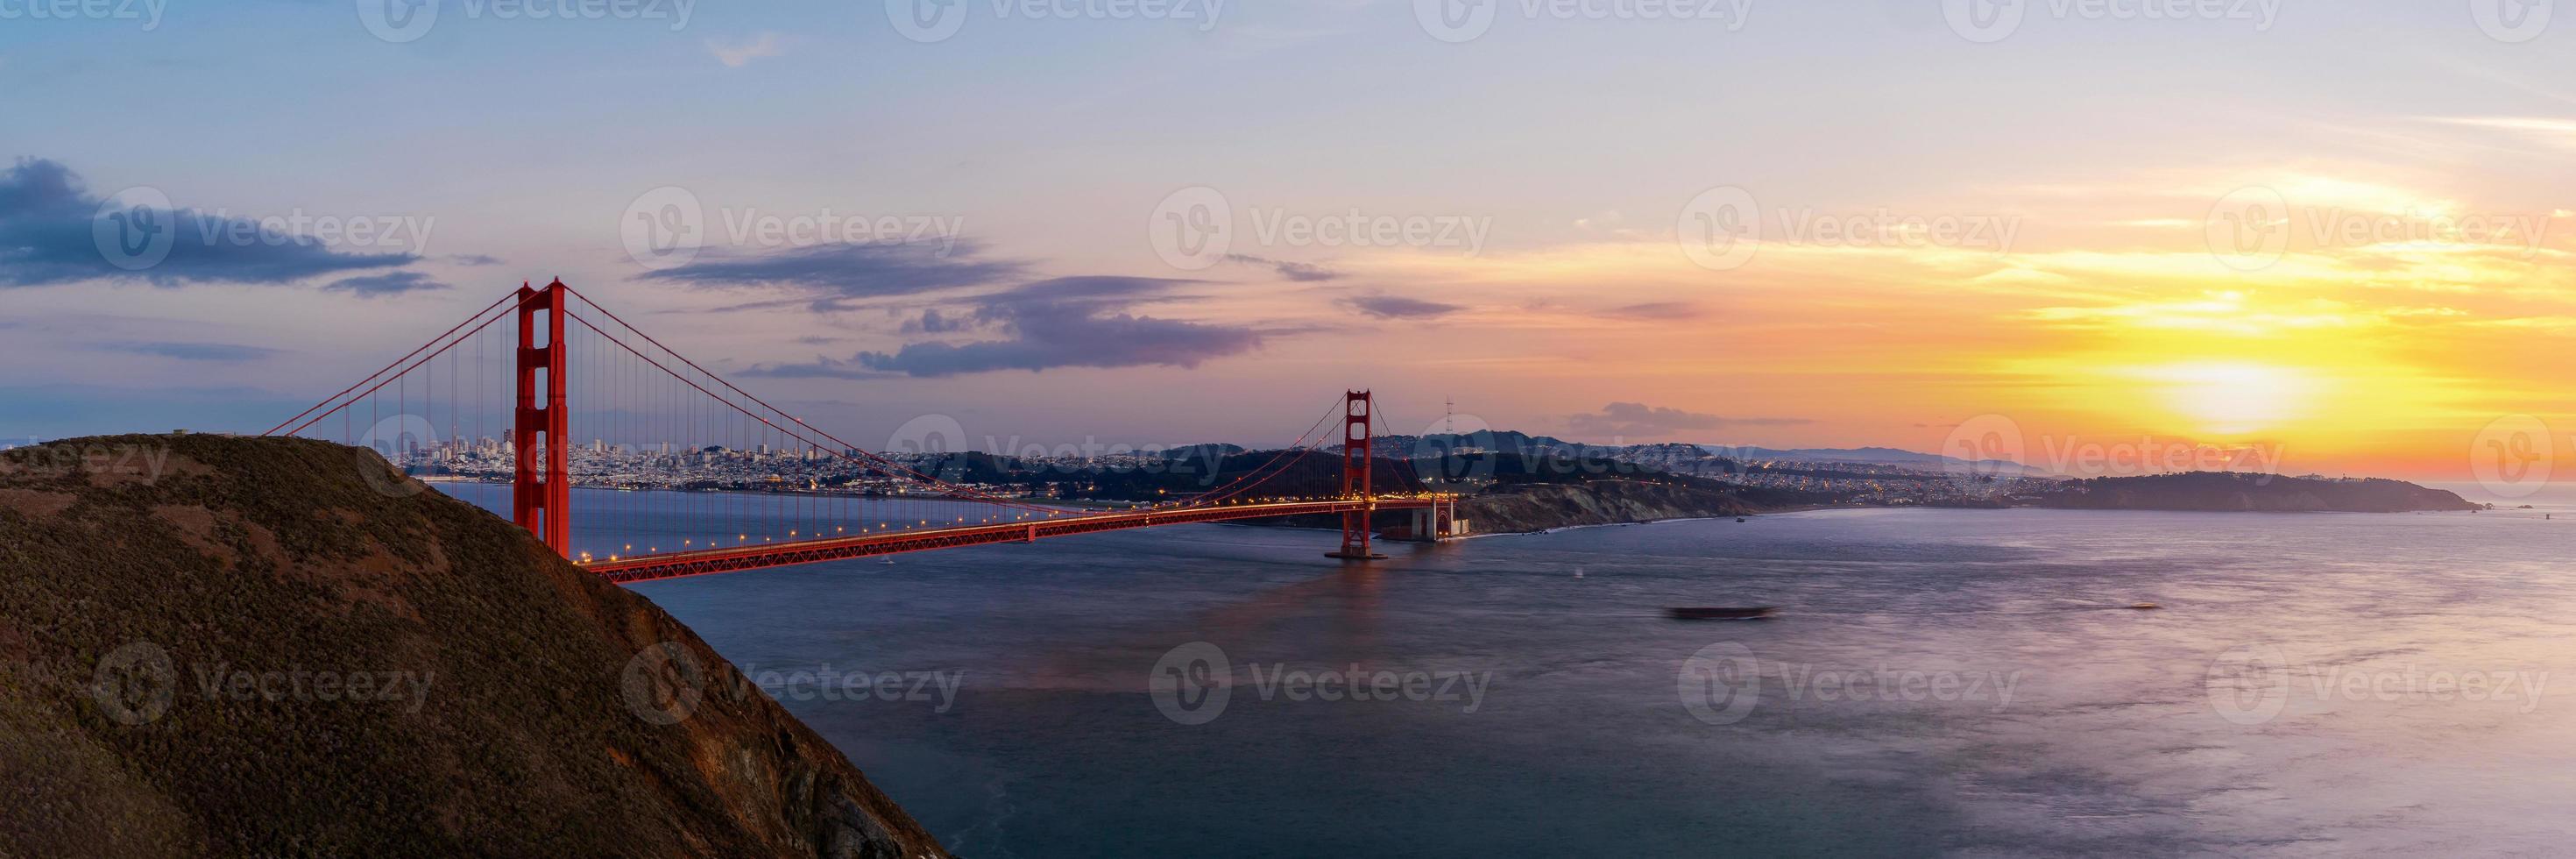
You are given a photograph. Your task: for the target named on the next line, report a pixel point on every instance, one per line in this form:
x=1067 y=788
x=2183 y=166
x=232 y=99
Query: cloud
x=51 y=229
x=1399 y=307
x=738 y=54
x=1296 y=271
x=1644 y=421
x=831 y=276
x=190 y=351
x=389 y=283
x=2549 y=128
x=1062 y=322
x=474 y=259
x=933 y=322
x=1653 y=310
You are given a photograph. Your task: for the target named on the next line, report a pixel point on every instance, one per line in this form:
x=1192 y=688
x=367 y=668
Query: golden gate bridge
x=569 y=362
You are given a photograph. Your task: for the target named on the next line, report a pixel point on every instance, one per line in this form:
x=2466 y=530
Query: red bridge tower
x=1358 y=412
x=541 y=488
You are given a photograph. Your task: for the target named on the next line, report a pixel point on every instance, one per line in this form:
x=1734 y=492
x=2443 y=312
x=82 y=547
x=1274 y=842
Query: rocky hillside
x=1538 y=507
x=277 y=647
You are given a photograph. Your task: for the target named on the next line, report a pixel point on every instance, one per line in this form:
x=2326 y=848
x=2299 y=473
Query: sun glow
x=2232 y=398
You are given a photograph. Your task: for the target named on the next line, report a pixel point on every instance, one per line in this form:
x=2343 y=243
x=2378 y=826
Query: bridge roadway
x=672 y=565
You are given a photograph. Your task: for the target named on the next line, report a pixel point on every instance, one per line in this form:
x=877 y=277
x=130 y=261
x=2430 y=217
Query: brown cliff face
x=229 y=646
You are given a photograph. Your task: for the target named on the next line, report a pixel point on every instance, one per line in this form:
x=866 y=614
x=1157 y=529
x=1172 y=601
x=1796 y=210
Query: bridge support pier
x=1359 y=412
x=541 y=491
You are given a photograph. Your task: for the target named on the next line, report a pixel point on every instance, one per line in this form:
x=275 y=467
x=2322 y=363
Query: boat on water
x=1715 y=613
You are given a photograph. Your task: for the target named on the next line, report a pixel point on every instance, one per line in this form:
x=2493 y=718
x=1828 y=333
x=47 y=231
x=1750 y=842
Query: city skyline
x=2331 y=238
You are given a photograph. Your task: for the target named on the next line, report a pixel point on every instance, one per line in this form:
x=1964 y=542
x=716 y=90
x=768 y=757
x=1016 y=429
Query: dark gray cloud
x=190 y=351
x=389 y=283
x=1644 y=421
x=833 y=276
x=475 y=259
x=933 y=322
x=1296 y=271
x=1399 y=307
x=52 y=229
x=1063 y=322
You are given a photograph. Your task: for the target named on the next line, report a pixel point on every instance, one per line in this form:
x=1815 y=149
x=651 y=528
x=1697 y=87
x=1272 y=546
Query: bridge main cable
x=397 y=363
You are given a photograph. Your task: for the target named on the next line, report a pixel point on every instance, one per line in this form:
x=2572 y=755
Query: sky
x=2330 y=237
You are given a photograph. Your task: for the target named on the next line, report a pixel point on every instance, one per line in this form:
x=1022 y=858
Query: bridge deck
x=674 y=565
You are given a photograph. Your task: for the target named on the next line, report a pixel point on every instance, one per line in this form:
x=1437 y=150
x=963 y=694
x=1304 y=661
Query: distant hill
x=185 y=622
x=1827 y=454
x=1511 y=441
x=1507 y=441
x=2220 y=491
x=1877 y=456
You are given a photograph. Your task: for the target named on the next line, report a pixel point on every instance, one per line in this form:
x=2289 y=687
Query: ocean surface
x=1939 y=682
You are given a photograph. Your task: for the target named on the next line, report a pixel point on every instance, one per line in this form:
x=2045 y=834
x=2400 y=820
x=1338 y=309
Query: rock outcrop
x=272 y=647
